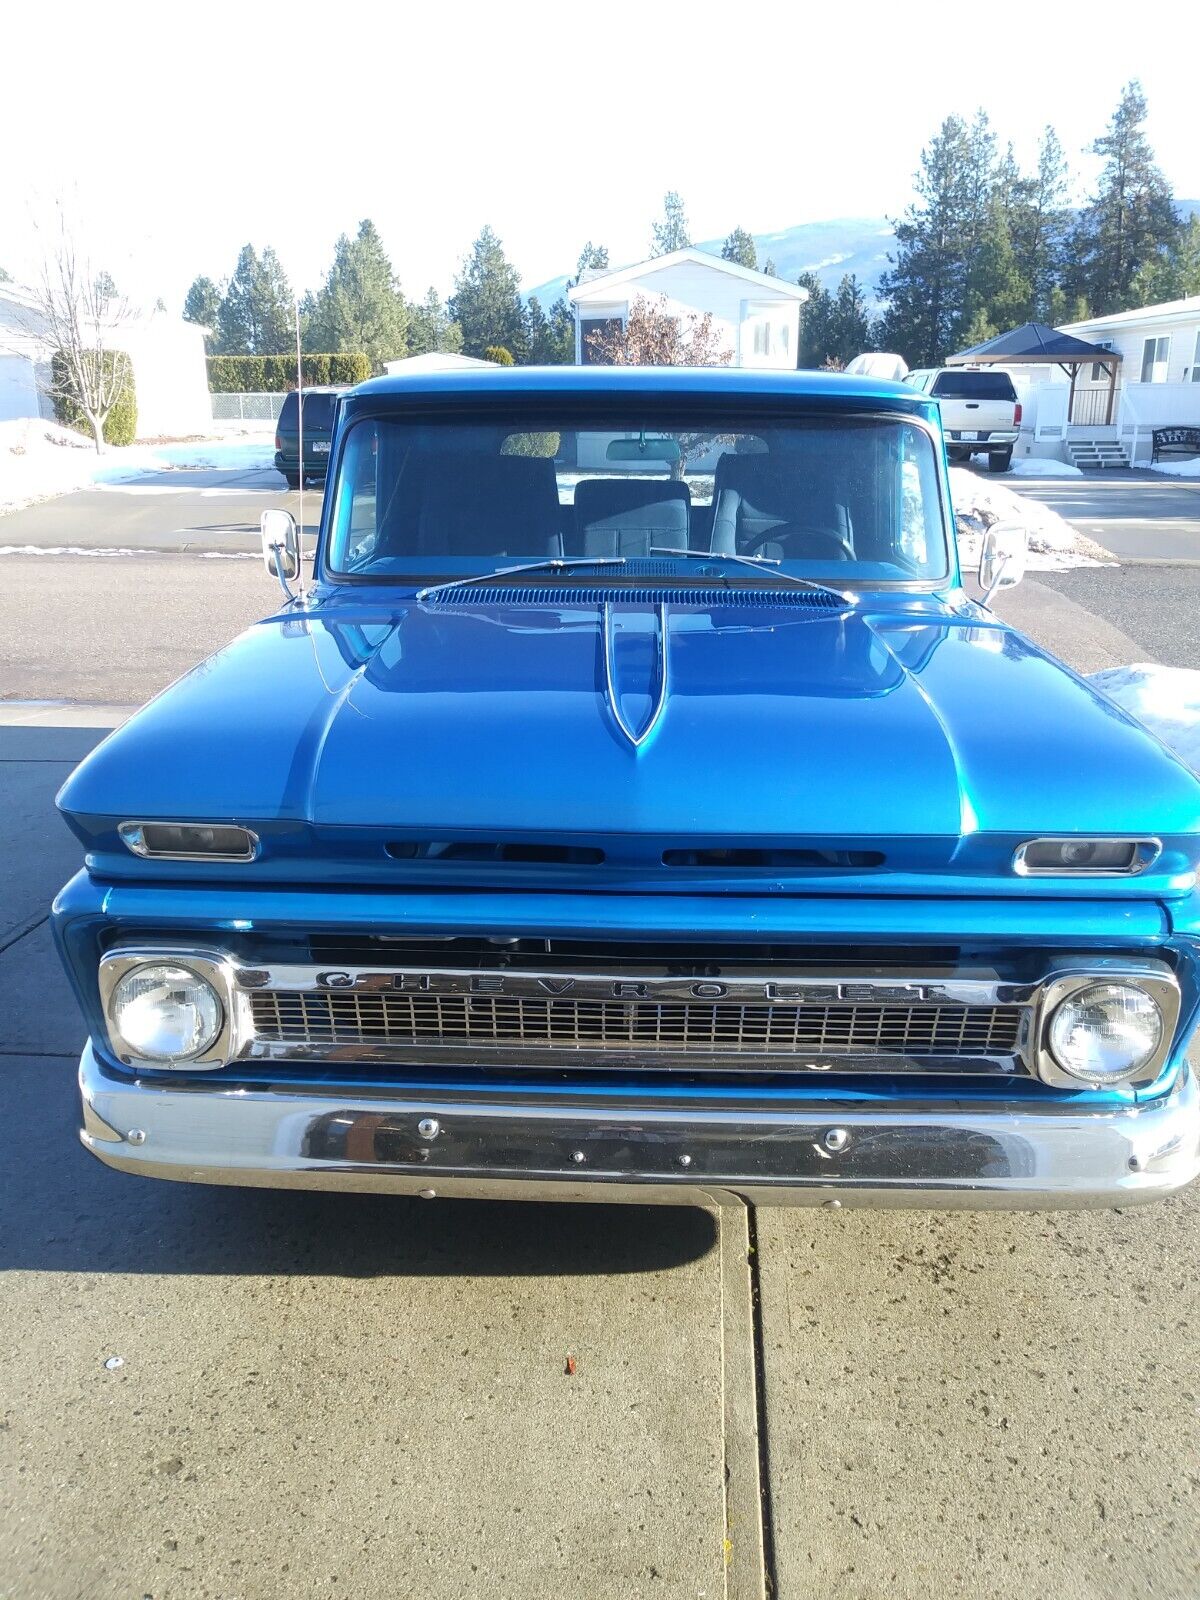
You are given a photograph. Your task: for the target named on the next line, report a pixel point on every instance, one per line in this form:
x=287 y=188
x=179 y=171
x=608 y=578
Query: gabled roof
x=431 y=361
x=1187 y=307
x=602 y=284
x=1030 y=344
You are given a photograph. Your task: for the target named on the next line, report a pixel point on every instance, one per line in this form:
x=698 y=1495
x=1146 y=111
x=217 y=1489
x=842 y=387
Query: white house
x=1157 y=386
x=1159 y=376
x=167 y=355
x=755 y=316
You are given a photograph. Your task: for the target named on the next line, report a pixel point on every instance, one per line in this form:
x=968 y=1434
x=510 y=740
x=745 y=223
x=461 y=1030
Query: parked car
x=317 y=437
x=981 y=414
x=681 y=830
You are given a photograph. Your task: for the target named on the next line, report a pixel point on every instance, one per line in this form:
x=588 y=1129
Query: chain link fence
x=247 y=407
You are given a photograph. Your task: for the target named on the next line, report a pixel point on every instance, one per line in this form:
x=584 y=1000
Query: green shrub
x=349 y=366
x=531 y=444
x=277 y=374
x=120 y=426
x=498 y=354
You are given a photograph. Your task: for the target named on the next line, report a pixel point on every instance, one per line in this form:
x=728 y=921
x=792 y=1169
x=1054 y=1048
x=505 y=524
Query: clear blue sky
x=172 y=132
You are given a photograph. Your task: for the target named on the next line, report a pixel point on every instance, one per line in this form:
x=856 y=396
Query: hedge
x=277 y=374
x=120 y=425
x=499 y=354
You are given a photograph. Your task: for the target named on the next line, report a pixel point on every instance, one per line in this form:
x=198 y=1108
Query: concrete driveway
x=347 y=1395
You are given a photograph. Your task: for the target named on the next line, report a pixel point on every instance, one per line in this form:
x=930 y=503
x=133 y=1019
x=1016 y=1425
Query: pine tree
x=592 y=258
x=562 y=333
x=925 y=286
x=202 y=304
x=360 y=306
x=671 y=233
x=849 y=322
x=769 y=267
x=1062 y=308
x=106 y=288
x=1001 y=297
x=550 y=340
x=1131 y=218
x=537 y=333
x=486 y=302
x=1175 y=272
x=981 y=180
x=276 y=307
x=430 y=328
x=1038 y=222
x=816 y=322
x=255 y=316
x=740 y=247
x=238 y=331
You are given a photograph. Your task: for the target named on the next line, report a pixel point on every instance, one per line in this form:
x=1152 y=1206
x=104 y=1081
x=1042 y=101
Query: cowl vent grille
x=580 y=594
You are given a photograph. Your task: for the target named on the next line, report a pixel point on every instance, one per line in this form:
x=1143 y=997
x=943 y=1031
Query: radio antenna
x=300 y=584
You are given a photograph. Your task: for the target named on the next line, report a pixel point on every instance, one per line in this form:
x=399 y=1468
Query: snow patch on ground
x=1166 y=699
x=1178 y=469
x=1043 y=467
x=39 y=459
x=1054 y=545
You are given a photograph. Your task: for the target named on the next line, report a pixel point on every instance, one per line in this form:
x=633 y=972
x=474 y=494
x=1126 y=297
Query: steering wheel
x=788 y=533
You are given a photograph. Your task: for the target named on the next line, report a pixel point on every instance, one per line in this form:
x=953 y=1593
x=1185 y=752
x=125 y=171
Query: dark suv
x=319 y=408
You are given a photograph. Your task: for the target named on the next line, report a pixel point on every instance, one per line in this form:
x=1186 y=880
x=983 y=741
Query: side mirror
x=280 y=544
x=1001 y=559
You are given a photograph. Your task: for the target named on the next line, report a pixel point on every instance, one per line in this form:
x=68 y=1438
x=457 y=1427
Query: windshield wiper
x=757 y=562
x=551 y=564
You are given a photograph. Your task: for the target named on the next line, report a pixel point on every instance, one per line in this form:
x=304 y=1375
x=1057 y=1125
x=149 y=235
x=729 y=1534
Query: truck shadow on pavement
x=64 y=1212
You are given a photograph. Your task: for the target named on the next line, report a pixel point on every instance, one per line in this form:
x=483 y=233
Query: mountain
x=830 y=249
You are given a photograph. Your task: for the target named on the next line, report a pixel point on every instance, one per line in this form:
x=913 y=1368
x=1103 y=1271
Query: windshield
x=839 y=499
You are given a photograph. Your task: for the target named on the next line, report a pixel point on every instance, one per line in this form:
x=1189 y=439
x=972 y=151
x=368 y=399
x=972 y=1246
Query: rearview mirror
x=1002 y=558
x=280 y=543
x=643 y=449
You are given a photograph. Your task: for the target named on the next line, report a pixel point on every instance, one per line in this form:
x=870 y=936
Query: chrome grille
x=375 y=1018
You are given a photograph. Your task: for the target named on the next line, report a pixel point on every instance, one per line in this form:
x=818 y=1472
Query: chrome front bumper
x=936 y=1155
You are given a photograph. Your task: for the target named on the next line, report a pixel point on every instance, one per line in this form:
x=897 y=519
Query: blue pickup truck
x=631 y=803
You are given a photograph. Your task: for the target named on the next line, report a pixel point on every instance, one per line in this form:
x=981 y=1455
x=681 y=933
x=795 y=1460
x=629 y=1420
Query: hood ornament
x=635 y=667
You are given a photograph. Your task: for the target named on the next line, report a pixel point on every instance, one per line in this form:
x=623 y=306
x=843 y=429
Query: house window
x=1196 y=359
x=1155 y=353
x=1099 y=370
x=587 y=325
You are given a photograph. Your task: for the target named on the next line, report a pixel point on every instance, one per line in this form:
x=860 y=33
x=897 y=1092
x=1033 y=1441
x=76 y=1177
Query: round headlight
x=165 y=1012
x=1105 y=1032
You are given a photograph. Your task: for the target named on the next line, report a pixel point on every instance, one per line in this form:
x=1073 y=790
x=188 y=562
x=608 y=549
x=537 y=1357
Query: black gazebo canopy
x=1037 y=344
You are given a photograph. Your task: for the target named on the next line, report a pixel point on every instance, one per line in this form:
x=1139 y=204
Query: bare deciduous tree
x=73 y=310
x=654 y=337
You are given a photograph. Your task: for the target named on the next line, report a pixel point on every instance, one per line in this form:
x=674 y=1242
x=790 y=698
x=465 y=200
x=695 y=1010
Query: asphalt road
x=1158 y=607
x=180 y=511
x=346 y=1395
x=1137 y=515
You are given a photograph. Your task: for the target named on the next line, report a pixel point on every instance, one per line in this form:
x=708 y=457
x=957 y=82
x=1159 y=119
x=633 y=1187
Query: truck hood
x=676 y=720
